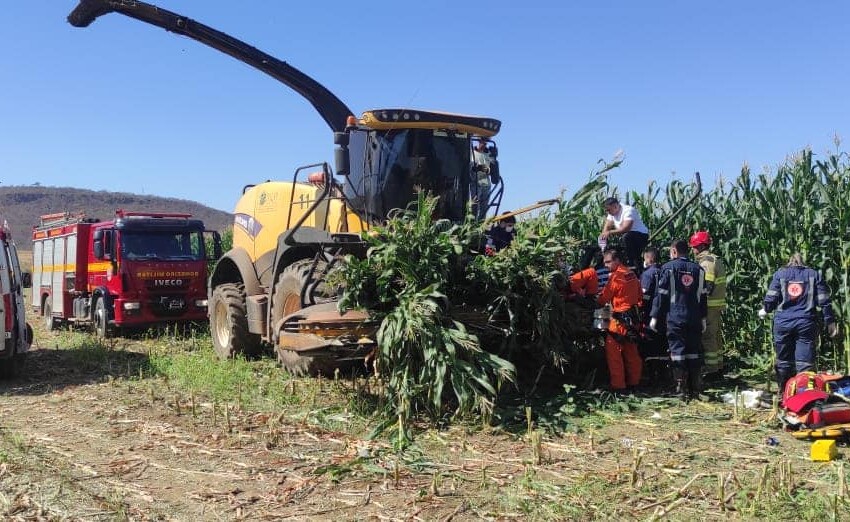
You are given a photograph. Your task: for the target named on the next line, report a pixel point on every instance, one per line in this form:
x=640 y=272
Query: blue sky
x=677 y=86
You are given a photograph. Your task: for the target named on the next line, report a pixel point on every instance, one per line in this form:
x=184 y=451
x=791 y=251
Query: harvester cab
x=390 y=154
x=268 y=289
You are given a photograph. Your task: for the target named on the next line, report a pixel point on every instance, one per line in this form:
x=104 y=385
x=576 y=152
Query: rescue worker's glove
x=762 y=313
x=832 y=329
x=653 y=324
x=704 y=325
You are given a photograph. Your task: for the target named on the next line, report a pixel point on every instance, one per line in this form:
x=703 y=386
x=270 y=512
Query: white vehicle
x=16 y=333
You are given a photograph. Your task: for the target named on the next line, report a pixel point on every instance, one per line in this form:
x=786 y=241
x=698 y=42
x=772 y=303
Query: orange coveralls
x=622 y=291
x=585 y=283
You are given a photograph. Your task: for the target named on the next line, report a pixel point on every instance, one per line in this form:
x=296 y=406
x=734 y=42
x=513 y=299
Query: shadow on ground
x=48 y=370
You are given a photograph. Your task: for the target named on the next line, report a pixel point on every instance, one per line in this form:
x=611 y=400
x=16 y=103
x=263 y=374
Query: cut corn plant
x=454 y=322
x=424 y=280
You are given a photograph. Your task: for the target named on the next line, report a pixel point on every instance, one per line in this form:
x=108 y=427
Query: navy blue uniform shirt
x=680 y=296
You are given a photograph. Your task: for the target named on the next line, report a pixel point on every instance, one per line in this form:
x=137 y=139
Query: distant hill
x=22 y=206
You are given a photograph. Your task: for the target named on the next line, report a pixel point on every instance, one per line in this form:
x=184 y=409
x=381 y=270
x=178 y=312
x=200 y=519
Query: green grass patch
x=200 y=371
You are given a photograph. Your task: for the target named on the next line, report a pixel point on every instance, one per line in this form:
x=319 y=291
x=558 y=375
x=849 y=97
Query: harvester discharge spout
x=329 y=107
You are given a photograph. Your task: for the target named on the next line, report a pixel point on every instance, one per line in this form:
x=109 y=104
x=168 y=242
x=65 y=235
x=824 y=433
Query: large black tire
x=229 y=323
x=299 y=364
x=101 y=319
x=47 y=312
x=286 y=300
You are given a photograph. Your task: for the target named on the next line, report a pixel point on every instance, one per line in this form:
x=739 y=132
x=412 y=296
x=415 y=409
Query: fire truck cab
x=136 y=270
x=16 y=333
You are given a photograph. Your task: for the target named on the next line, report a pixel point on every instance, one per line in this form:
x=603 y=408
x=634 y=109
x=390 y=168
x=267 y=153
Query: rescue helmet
x=700 y=237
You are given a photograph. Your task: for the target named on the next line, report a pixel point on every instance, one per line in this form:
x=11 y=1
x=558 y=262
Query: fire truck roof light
x=59 y=219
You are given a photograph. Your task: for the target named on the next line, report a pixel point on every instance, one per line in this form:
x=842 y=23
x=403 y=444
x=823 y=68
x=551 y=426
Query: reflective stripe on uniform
x=716 y=302
x=672 y=286
x=783 y=289
x=684 y=357
x=772 y=292
x=720 y=280
x=663 y=291
x=701 y=285
x=810 y=302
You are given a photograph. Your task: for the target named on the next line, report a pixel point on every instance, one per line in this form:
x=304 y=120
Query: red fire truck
x=136 y=270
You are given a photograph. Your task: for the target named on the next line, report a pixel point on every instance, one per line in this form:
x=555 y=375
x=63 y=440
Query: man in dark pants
x=625 y=220
x=681 y=299
x=652 y=344
x=794 y=293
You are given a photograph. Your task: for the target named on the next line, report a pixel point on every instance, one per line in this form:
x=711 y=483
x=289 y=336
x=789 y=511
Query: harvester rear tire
x=229 y=323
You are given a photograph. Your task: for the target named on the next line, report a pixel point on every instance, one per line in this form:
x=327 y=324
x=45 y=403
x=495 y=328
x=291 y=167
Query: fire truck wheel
x=229 y=322
x=101 y=319
x=47 y=310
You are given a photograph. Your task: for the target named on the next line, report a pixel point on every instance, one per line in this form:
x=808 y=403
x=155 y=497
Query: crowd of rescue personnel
x=672 y=311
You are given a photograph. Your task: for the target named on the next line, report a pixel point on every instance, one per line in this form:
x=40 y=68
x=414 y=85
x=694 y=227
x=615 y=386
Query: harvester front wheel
x=229 y=322
x=287 y=300
x=287 y=291
x=299 y=364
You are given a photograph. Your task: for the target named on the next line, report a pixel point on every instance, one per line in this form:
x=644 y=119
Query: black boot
x=782 y=378
x=680 y=377
x=695 y=383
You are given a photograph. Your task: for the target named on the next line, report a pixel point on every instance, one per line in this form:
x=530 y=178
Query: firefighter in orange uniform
x=623 y=292
x=585 y=282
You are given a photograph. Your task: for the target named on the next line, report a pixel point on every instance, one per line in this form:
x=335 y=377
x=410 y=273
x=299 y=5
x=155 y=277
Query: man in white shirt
x=625 y=220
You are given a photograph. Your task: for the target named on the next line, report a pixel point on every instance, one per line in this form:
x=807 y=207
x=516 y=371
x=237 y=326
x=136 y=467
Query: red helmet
x=700 y=237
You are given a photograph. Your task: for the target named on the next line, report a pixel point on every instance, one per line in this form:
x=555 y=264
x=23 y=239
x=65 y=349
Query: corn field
x=756 y=223
x=420 y=273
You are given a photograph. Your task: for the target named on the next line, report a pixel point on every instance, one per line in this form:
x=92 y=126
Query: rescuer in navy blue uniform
x=680 y=298
x=652 y=344
x=794 y=292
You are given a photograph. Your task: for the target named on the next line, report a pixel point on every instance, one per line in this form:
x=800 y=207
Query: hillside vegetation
x=21 y=206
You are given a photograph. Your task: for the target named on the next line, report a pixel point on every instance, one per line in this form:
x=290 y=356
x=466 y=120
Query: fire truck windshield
x=162 y=245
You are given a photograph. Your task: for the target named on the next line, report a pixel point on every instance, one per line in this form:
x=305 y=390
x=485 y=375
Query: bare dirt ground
x=84 y=443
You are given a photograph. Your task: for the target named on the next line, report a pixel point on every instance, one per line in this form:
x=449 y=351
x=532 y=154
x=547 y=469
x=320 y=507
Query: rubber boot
x=782 y=378
x=695 y=384
x=680 y=377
